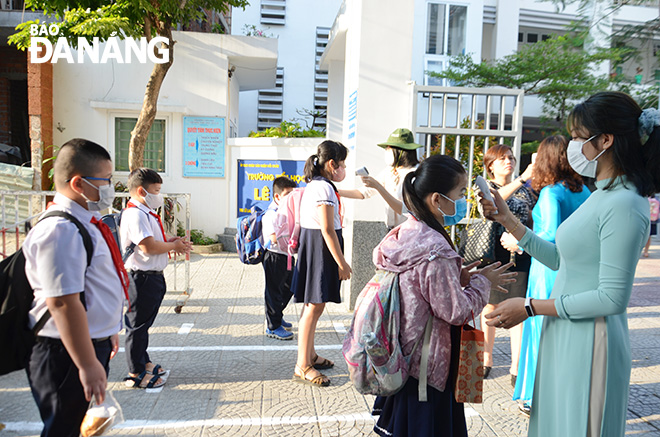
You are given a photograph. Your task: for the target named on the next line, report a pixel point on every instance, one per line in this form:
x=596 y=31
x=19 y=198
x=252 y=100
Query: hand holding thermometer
x=481 y=183
x=362 y=171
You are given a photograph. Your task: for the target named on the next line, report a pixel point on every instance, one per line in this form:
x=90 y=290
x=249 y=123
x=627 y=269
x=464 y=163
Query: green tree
x=557 y=70
x=124 y=18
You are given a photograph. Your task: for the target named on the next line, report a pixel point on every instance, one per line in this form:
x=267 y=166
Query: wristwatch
x=521 y=180
x=528 y=307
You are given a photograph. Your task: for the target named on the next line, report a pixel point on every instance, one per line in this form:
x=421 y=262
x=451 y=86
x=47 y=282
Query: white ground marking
x=339 y=328
x=172 y=424
x=185 y=328
x=235 y=348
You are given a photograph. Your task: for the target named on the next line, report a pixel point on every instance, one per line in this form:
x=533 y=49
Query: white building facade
x=301 y=28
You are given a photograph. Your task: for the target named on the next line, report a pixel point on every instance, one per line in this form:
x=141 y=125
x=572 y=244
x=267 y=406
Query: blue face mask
x=460 y=210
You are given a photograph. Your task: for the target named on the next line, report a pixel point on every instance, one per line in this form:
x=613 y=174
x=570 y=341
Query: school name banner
x=255 y=181
x=204 y=147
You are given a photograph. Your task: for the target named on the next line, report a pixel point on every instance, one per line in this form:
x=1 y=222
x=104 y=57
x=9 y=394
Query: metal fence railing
x=20 y=210
x=448 y=117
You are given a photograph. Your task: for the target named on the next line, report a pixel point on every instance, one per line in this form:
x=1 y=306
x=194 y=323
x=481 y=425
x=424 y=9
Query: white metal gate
x=440 y=111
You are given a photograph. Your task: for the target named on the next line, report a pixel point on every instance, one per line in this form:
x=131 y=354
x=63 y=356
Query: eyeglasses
x=98 y=179
x=90 y=178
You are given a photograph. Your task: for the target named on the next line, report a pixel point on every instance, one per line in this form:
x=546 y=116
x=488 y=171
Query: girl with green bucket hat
x=402 y=153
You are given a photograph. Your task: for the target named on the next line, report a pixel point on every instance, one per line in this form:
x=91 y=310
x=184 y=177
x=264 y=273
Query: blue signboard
x=352 y=120
x=255 y=181
x=204 y=147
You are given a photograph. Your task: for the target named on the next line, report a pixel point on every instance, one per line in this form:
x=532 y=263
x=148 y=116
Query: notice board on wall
x=204 y=147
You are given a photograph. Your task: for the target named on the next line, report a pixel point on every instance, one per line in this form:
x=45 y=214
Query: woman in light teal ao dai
x=584 y=361
x=561 y=192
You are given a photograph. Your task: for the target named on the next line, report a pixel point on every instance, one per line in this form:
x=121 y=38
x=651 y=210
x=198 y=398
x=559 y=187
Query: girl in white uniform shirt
x=403 y=151
x=321 y=265
x=69 y=362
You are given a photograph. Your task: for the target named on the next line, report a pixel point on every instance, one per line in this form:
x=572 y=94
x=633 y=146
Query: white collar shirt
x=138 y=223
x=318 y=192
x=56 y=265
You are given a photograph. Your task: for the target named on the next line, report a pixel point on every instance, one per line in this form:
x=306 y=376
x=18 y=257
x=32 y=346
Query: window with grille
x=320 y=78
x=446 y=29
x=273 y=12
x=446 y=36
x=270 y=104
x=154 y=149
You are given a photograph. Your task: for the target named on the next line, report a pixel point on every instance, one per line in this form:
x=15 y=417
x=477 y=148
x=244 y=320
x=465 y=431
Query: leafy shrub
x=287 y=129
x=197 y=237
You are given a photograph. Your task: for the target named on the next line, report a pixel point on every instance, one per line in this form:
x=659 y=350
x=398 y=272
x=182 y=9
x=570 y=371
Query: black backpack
x=16 y=296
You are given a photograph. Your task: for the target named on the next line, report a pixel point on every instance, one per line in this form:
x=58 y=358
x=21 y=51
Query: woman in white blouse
x=403 y=150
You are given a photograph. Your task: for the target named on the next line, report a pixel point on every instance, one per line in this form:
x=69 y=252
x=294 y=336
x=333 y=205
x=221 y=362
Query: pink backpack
x=291 y=210
x=371 y=347
x=655 y=208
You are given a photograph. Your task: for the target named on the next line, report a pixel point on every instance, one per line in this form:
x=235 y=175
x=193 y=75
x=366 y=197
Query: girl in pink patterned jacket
x=442 y=289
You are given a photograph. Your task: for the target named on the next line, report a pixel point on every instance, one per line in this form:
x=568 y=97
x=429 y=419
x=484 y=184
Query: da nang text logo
x=42 y=49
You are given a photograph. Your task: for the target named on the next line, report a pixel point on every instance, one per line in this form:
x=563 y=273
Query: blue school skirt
x=402 y=415
x=316 y=275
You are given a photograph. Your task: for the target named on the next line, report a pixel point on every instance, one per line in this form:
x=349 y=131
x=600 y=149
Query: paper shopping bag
x=470 y=375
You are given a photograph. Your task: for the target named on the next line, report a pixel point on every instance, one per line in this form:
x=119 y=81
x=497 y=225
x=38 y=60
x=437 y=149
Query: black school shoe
x=487 y=371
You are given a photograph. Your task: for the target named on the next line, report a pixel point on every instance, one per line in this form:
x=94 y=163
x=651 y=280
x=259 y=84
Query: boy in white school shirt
x=69 y=362
x=277 y=293
x=141 y=225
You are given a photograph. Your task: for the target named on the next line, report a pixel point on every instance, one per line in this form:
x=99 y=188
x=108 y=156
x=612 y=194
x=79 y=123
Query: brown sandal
x=320 y=380
x=323 y=364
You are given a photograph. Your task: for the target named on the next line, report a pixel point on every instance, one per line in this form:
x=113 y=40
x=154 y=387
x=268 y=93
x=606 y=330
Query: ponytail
x=651 y=150
x=437 y=174
x=326 y=151
x=311 y=169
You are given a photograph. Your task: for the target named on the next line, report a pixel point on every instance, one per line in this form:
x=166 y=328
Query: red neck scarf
x=160 y=222
x=114 y=251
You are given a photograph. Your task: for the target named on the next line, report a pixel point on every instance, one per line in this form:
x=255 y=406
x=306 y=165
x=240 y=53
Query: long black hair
x=404 y=158
x=326 y=151
x=436 y=174
x=616 y=113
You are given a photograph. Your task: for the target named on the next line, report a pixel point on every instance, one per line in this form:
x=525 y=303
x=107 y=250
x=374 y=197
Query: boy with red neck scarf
x=69 y=362
x=142 y=227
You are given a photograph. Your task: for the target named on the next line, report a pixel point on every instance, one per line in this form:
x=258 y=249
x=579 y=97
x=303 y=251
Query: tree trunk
x=149 y=108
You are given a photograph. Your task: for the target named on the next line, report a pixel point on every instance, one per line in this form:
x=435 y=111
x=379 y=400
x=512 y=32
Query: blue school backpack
x=371 y=347
x=112 y=220
x=249 y=237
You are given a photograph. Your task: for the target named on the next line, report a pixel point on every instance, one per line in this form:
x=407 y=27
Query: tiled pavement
x=228 y=379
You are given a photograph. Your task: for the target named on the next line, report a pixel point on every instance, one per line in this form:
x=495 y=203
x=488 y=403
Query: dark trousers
x=278 y=287
x=145 y=302
x=55 y=384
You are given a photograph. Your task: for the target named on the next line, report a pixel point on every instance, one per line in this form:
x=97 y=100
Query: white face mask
x=106 y=197
x=153 y=201
x=579 y=162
